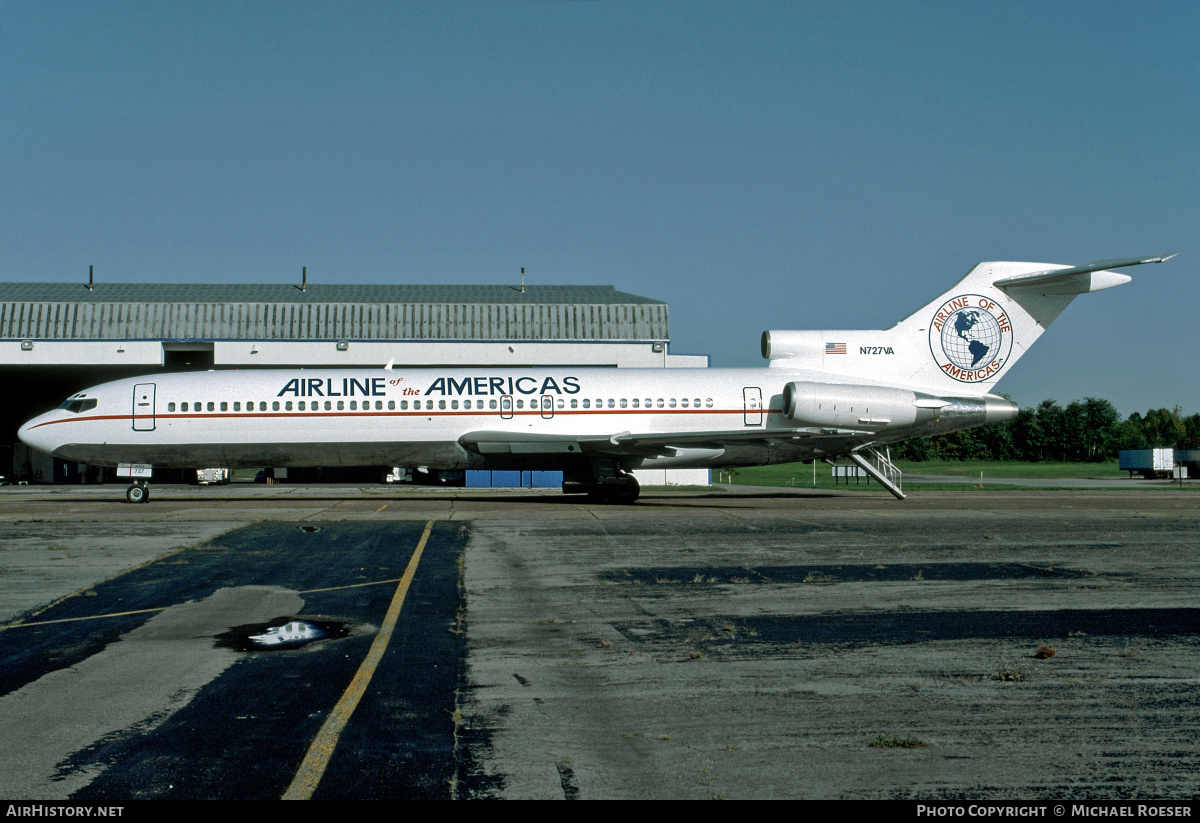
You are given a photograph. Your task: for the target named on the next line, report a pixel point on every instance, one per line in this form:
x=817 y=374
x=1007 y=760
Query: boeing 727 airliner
x=825 y=394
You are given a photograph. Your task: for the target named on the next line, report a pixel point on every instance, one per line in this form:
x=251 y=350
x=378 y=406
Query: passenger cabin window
x=171 y=407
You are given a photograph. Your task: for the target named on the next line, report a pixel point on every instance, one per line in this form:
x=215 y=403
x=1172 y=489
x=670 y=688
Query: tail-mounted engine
x=848 y=406
x=873 y=408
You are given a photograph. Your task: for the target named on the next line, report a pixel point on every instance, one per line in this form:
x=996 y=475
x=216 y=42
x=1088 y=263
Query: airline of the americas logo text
x=970 y=338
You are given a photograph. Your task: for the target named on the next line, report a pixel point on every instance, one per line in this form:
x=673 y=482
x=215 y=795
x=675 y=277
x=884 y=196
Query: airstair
x=878 y=464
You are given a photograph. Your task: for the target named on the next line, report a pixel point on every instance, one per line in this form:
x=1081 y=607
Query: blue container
x=478 y=479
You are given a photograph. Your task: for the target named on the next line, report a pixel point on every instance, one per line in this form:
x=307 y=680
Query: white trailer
x=1149 y=463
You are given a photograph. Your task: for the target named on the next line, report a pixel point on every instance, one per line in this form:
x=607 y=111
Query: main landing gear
x=603 y=484
x=622 y=490
x=139 y=492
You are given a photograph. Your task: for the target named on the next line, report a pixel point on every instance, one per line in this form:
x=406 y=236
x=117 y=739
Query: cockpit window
x=78 y=404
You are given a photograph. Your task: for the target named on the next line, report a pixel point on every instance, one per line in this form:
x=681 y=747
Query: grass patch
x=818 y=577
x=1011 y=671
x=800 y=475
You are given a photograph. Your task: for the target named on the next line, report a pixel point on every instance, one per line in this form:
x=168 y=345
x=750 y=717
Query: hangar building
x=59 y=338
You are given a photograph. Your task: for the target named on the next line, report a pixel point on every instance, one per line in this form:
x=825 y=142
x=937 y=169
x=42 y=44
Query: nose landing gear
x=139 y=492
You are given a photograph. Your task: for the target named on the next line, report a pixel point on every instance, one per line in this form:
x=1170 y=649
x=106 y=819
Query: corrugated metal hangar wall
x=61 y=311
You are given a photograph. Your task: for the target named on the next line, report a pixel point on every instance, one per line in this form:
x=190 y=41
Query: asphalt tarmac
x=698 y=644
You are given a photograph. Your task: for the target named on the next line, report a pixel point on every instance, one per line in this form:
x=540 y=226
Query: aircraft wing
x=654 y=444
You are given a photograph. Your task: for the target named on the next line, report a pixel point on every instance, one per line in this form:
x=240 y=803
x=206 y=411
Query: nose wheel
x=138 y=493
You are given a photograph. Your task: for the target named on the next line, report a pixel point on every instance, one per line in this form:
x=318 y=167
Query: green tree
x=1129 y=434
x=1163 y=428
x=1191 y=432
x=1053 y=425
x=1094 y=424
x=1026 y=435
x=1086 y=430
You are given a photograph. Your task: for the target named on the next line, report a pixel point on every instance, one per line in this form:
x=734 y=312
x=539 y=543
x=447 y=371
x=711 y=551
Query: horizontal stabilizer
x=1068 y=280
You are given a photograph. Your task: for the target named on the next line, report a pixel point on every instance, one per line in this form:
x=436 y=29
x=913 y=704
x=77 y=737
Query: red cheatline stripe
x=425 y=413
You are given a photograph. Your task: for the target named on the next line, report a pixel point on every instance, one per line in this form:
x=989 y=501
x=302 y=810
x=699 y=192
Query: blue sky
x=757 y=165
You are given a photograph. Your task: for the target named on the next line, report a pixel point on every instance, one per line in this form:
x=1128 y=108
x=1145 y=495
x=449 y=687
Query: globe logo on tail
x=970 y=338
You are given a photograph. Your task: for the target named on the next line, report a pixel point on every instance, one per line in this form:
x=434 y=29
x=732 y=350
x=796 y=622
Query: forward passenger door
x=143 y=407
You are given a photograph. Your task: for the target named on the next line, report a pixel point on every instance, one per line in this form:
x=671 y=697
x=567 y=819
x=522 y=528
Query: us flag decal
x=835 y=348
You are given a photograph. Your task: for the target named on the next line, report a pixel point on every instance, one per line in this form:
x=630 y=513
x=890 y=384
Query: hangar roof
x=316 y=293
x=160 y=311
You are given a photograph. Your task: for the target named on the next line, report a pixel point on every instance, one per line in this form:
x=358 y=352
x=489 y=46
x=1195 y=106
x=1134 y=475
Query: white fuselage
x=458 y=418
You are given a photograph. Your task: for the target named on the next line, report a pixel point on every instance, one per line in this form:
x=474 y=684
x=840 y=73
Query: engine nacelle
x=848 y=406
x=792 y=345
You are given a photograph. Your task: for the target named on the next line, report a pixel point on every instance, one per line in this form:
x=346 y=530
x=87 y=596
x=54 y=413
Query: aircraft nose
x=35 y=435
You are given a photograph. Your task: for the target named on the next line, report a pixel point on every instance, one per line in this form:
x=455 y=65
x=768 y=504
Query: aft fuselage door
x=143 y=407
x=752 y=399
x=547 y=406
x=506 y=407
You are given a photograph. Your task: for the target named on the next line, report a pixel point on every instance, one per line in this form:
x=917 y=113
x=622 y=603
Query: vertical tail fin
x=964 y=341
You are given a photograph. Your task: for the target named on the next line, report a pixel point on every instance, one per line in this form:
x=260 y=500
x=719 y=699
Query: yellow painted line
x=164 y=608
x=381 y=508
x=309 y=775
x=351 y=586
x=76 y=619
